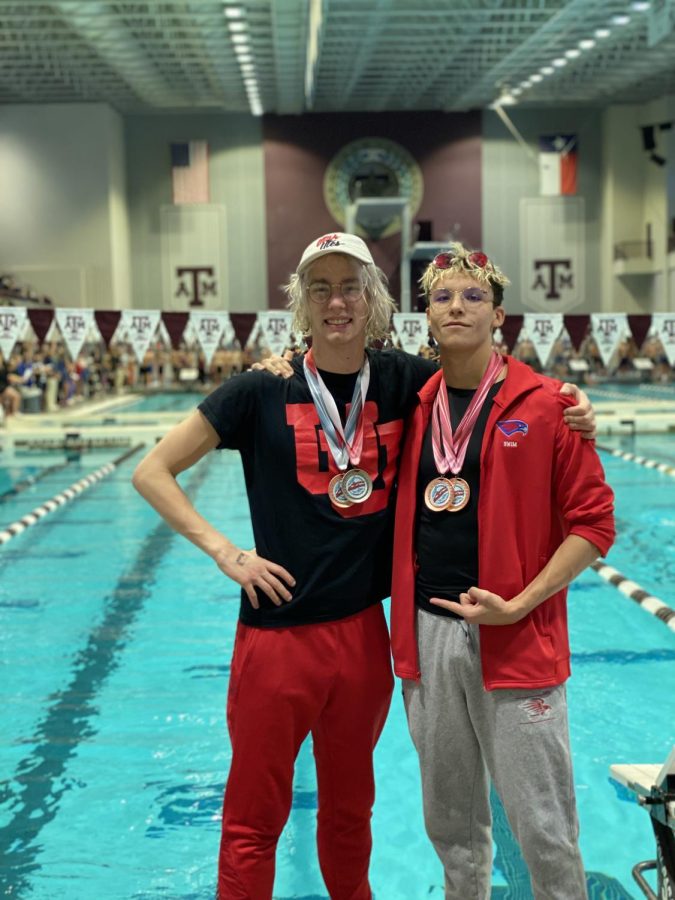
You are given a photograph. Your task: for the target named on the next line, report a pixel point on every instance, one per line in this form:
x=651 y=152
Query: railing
x=633 y=250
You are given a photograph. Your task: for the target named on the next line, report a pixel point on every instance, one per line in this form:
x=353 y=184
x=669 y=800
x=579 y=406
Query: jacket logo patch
x=513 y=426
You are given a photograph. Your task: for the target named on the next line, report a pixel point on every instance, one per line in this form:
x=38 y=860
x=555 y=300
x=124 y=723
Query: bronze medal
x=357 y=485
x=460 y=493
x=438 y=494
x=337 y=494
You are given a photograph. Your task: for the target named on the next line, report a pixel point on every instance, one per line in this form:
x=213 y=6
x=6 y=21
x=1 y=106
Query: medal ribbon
x=345 y=444
x=450 y=449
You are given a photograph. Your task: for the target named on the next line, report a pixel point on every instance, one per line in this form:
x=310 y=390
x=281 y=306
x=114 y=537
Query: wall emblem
x=372 y=167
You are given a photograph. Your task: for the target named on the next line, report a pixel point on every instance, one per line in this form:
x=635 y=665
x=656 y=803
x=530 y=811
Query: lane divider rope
x=63 y=497
x=634 y=592
x=640 y=460
x=31 y=480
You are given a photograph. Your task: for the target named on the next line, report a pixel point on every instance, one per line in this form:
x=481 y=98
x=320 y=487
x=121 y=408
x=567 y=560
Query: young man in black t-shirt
x=320 y=454
x=312 y=649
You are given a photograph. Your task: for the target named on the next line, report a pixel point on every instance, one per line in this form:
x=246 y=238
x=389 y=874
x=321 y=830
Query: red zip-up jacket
x=539 y=482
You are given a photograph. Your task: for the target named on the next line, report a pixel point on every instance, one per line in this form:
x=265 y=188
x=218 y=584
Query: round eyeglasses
x=470 y=296
x=322 y=291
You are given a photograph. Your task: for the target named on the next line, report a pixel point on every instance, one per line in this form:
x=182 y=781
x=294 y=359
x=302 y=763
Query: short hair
x=380 y=303
x=458 y=258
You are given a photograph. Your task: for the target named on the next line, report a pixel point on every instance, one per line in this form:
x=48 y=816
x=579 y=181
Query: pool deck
x=101 y=423
x=635 y=416
x=105 y=423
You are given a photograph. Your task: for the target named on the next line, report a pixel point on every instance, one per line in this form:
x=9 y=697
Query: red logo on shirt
x=316 y=466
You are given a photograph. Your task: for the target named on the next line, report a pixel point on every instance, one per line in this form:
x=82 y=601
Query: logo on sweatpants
x=536 y=709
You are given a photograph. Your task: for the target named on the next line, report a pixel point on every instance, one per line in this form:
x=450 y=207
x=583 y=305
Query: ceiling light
x=620 y=20
x=243 y=53
x=516 y=92
x=536 y=78
x=587 y=44
x=547 y=70
x=506 y=99
x=256 y=108
x=560 y=62
x=233 y=12
x=526 y=84
x=236 y=26
x=602 y=32
x=247 y=67
x=572 y=54
x=640 y=5
x=240 y=39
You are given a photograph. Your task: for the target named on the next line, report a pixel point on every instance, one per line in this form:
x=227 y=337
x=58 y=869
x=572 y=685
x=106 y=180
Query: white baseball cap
x=336 y=242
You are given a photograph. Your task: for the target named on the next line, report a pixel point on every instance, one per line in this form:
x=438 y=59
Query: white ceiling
x=371 y=55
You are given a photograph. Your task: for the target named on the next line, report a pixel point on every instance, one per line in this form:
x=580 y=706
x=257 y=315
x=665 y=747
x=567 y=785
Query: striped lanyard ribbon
x=346 y=443
x=450 y=449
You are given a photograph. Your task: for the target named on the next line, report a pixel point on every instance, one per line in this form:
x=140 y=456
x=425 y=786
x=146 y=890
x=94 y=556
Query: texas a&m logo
x=411 y=328
x=195 y=283
x=8 y=322
x=607 y=328
x=276 y=326
x=543 y=328
x=209 y=327
x=554 y=276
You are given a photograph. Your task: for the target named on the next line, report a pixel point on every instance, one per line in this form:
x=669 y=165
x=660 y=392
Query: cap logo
x=328 y=240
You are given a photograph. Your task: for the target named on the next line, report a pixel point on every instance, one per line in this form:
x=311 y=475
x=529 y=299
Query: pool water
x=656 y=390
x=179 y=401
x=644 y=394
x=115 y=643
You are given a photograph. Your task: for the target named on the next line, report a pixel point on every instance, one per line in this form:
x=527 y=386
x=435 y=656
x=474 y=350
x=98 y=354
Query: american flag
x=190 y=172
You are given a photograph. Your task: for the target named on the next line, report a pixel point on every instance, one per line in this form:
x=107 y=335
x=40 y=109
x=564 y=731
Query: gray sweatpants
x=466 y=736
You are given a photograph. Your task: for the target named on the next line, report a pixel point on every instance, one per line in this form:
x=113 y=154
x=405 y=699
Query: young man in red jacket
x=499 y=507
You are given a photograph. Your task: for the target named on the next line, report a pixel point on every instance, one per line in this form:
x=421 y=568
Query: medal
x=438 y=494
x=345 y=444
x=337 y=494
x=460 y=495
x=357 y=485
x=450 y=448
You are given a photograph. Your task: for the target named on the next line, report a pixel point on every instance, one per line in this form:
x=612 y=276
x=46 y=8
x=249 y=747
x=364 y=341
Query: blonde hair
x=379 y=302
x=468 y=261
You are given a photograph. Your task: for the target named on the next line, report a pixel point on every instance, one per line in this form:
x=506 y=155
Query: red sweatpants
x=334 y=680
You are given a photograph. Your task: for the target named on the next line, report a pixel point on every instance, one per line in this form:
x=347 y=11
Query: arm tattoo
x=241 y=559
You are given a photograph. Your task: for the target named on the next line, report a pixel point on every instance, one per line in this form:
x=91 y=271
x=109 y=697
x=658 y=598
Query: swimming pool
x=616 y=390
x=115 y=642
x=178 y=401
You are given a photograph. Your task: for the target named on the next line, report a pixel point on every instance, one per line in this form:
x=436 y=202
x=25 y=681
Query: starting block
x=654 y=789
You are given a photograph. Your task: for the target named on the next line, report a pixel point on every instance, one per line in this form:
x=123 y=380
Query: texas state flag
x=558 y=164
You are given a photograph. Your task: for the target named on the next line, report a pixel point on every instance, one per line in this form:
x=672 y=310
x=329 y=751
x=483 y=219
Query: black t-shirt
x=447 y=542
x=340 y=558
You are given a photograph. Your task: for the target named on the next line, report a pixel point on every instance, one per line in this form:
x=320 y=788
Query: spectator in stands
x=10 y=398
x=25 y=367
